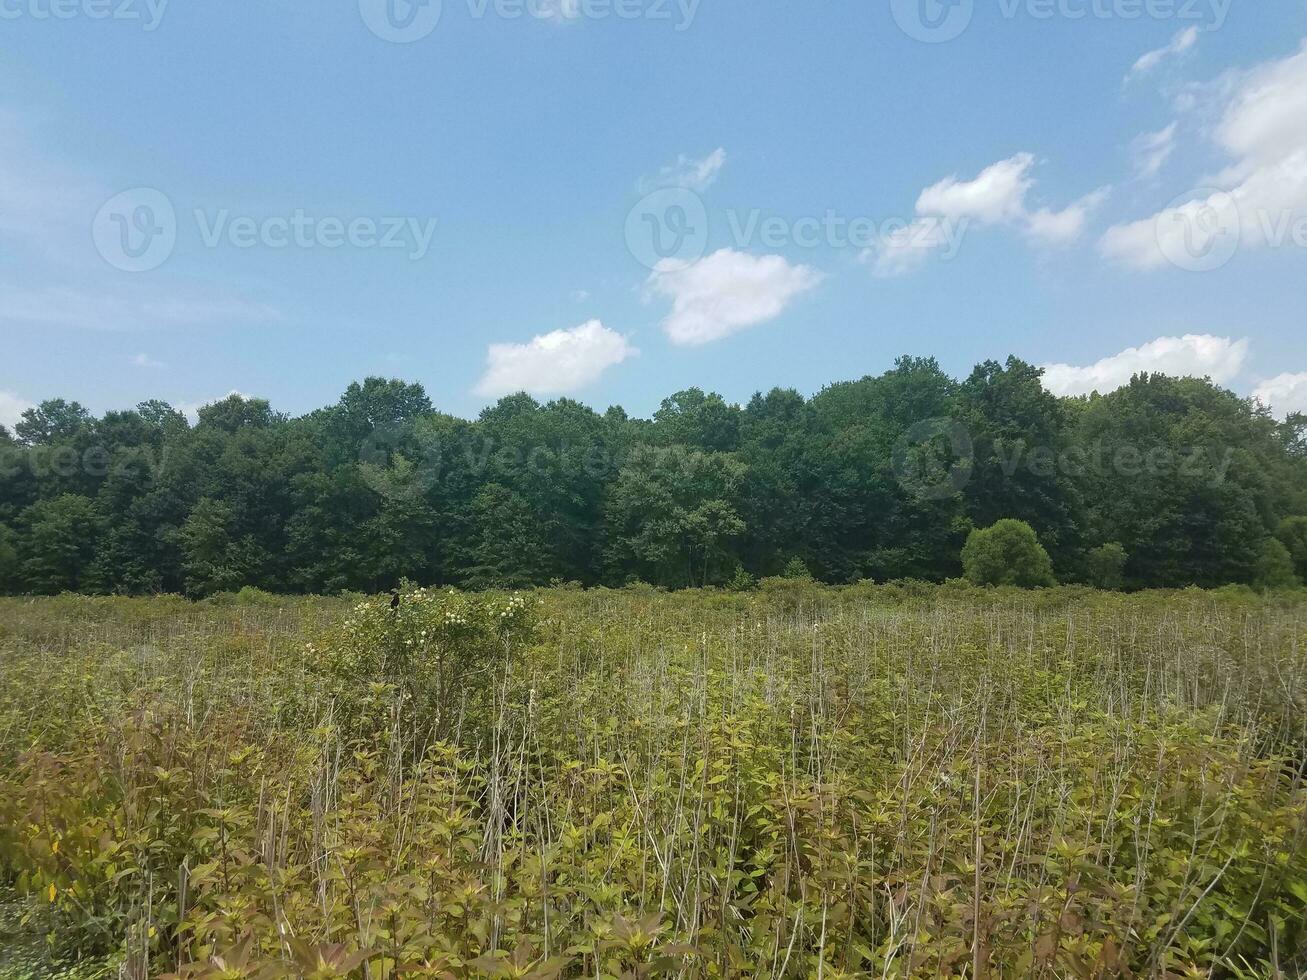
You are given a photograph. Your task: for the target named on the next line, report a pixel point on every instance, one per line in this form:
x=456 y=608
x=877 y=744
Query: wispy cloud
x=118 y=305
x=696 y=174
x=46 y=212
x=1178 y=45
x=1152 y=150
x=1261 y=192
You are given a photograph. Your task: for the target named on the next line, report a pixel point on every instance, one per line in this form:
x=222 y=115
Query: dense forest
x=1165 y=482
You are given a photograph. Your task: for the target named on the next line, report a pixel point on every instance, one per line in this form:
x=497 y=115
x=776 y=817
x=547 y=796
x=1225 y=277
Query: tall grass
x=885 y=781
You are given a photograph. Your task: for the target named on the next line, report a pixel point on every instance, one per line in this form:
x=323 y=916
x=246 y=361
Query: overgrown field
x=873 y=781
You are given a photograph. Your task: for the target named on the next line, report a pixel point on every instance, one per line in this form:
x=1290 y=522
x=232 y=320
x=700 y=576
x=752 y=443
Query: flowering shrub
x=435 y=651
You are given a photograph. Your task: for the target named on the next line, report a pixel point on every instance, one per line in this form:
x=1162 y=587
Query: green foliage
x=1292 y=533
x=796 y=568
x=671 y=515
x=1008 y=553
x=878 y=478
x=215 y=558
x=434 y=651
x=60 y=536
x=1106 y=566
x=742 y=581
x=1275 y=568
x=871 y=781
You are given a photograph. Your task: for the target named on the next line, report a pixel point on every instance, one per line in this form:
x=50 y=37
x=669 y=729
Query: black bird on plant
x=394 y=600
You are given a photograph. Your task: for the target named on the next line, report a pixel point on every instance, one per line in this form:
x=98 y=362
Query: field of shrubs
x=795 y=781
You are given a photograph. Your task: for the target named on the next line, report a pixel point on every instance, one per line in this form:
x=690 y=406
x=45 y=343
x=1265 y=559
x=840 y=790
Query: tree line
x=1166 y=482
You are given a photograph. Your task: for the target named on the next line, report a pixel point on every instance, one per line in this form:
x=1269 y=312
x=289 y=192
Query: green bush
x=742 y=581
x=1275 y=567
x=434 y=651
x=796 y=568
x=1293 y=535
x=1106 y=566
x=1009 y=553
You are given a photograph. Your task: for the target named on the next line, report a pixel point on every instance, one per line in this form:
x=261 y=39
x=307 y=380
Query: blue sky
x=1009 y=184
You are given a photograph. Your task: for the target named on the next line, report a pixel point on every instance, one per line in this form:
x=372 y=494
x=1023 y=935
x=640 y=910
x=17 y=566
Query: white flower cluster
x=515 y=605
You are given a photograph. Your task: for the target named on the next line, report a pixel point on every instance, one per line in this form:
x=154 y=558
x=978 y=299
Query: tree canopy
x=1164 y=482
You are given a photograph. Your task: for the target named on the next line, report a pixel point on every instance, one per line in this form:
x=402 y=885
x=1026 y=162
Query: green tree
x=1292 y=533
x=508 y=548
x=702 y=421
x=1274 y=567
x=1185 y=472
x=1008 y=553
x=1106 y=566
x=236 y=412
x=215 y=558
x=58 y=544
x=52 y=421
x=672 y=516
x=1020 y=436
x=9 y=570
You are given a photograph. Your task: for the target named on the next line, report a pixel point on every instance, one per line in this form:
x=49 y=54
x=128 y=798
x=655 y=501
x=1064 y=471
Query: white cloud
x=11 y=409
x=1179 y=44
x=997 y=194
x=995 y=197
x=1196 y=355
x=146 y=361
x=1065 y=226
x=726 y=292
x=1284 y=394
x=1152 y=150
x=695 y=174
x=554 y=363
x=1259 y=197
